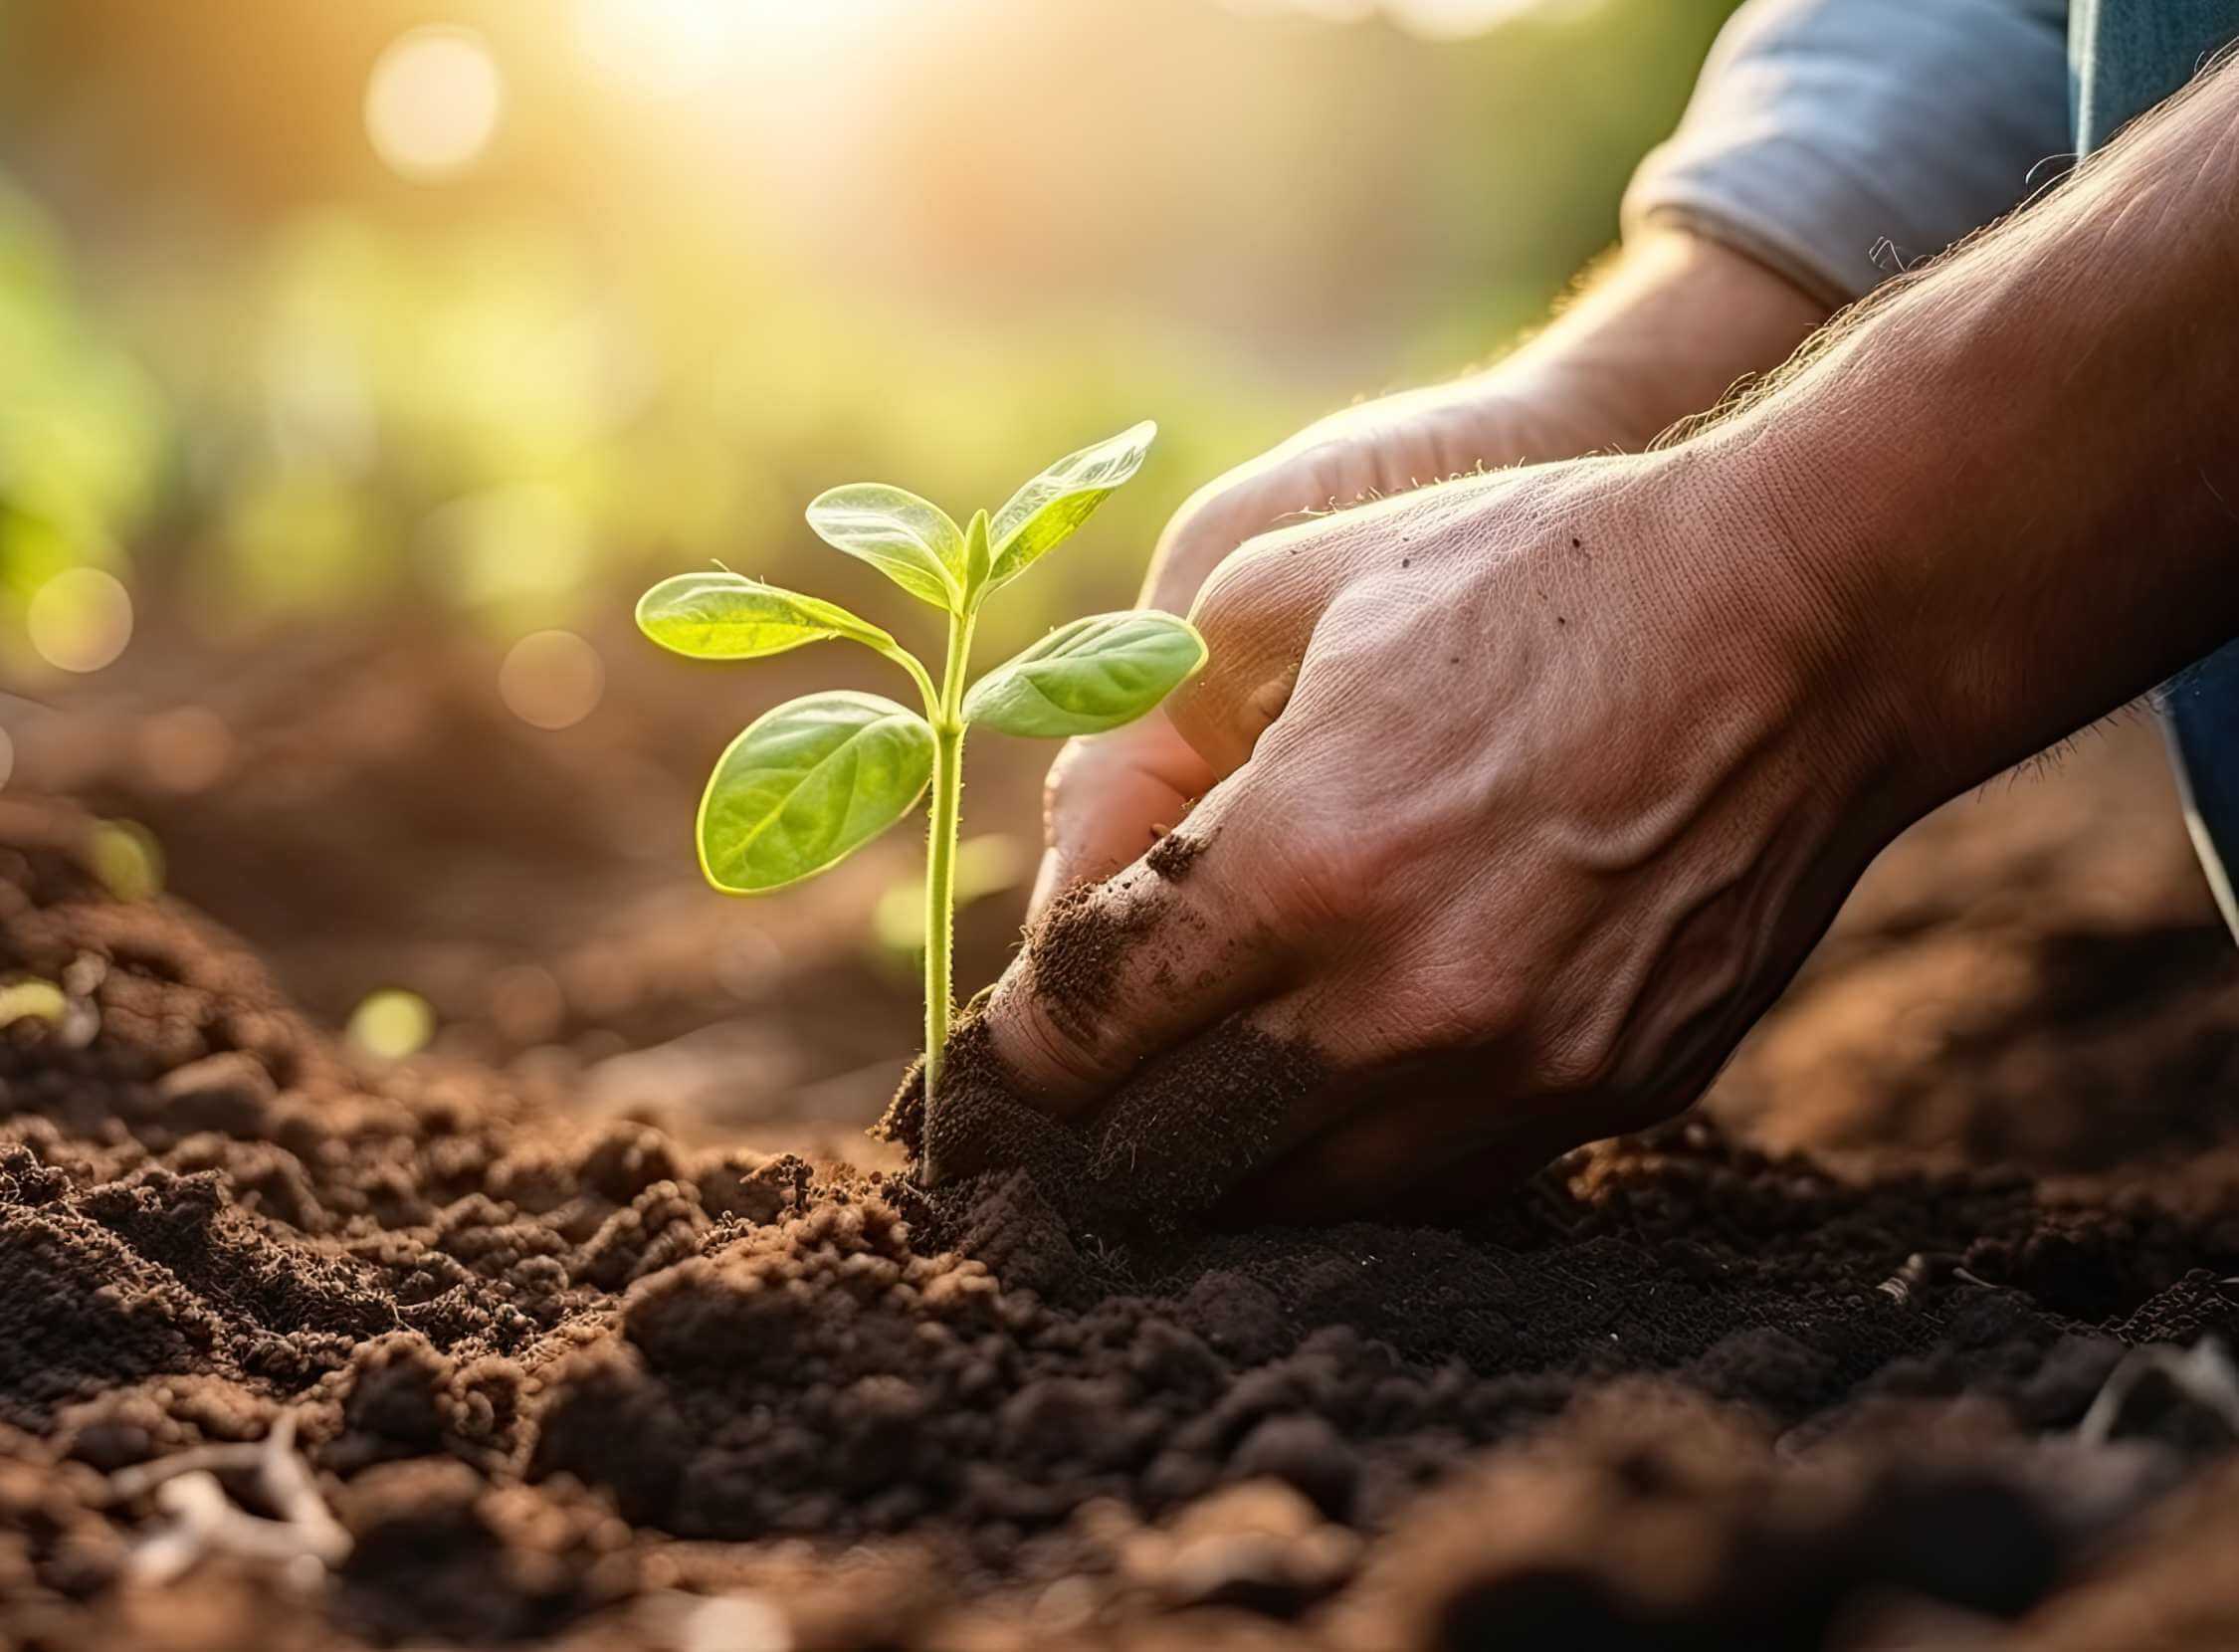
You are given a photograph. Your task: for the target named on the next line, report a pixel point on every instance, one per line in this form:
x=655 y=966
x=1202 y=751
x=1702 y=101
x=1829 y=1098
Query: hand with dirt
x=1534 y=789
x=1519 y=830
x=1660 y=336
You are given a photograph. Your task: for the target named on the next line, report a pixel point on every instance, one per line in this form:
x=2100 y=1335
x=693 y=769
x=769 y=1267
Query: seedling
x=812 y=781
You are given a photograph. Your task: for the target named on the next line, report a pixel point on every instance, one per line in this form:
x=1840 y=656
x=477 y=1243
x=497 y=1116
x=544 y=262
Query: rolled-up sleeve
x=1841 y=141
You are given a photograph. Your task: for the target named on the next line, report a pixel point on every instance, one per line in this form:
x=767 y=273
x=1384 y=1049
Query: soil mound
x=1680 y=1392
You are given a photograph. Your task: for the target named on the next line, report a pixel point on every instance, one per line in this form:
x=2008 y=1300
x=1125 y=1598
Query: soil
x=1172 y=856
x=1805 y=1370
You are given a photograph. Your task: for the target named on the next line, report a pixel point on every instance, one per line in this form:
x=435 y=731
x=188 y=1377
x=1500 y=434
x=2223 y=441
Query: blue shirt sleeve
x=1842 y=140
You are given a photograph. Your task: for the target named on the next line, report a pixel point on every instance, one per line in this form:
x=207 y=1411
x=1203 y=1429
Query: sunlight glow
x=1460 y=19
x=433 y=102
x=1430 y=19
x=665 y=47
x=677 y=48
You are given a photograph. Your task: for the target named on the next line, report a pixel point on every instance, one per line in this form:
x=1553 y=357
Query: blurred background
x=358 y=363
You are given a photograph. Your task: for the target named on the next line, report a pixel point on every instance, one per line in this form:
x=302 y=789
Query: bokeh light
x=80 y=620
x=127 y=859
x=552 y=679
x=32 y=1000
x=526 y=1003
x=391 y=1024
x=433 y=102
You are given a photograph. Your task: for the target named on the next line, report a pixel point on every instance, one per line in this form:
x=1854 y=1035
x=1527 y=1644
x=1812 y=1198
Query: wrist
x=1763 y=553
x=1674 y=326
x=2009 y=477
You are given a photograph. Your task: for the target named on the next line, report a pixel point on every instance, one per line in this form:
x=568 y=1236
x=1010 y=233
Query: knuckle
x=1237 y=592
x=1317 y=878
x=1220 y=716
x=1493 y=1006
x=1046 y=1053
x=1584 y=1061
x=1456 y=1007
x=1338 y=470
x=1222 y=512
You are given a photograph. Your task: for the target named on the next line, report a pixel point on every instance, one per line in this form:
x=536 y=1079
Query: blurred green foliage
x=640 y=335
x=84 y=435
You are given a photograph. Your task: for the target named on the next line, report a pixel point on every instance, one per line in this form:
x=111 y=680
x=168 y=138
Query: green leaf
x=806 y=785
x=979 y=556
x=1047 y=510
x=909 y=540
x=727 y=616
x=1086 y=677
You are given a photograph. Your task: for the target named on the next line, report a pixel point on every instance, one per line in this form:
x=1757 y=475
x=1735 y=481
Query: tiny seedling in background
x=815 y=779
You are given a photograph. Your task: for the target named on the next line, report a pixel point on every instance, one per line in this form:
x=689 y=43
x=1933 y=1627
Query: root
x=305 y=1541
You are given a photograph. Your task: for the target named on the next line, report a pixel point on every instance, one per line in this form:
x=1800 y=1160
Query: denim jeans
x=2124 y=56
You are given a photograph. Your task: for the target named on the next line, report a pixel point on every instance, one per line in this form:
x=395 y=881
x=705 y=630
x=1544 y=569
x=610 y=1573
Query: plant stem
x=941 y=847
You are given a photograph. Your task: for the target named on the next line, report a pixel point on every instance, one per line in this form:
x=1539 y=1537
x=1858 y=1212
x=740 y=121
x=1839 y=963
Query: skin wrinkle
x=1785 y=867
x=1647 y=833
x=1706 y=314
x=1619 y=992
x=1696 y=811
x=1636 y=843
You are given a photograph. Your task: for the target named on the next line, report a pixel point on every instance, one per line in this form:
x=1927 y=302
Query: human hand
x=1534 y=791
x=1110 y=796
x=1662 y=337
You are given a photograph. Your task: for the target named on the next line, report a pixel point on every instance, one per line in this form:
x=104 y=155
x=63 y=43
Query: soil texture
x=296 y=1351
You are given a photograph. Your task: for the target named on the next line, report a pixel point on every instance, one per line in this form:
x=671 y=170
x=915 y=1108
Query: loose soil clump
x=576 y=1383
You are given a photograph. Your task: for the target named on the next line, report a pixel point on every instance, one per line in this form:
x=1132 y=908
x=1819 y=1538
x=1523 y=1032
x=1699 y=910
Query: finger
x=1124 y=969
x=1257 y=614
x=1195 y=1120
x=1110 y=799
x=1199 y=1121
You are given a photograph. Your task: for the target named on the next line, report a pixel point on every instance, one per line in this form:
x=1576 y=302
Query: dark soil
x=1172 y=856
x=1152 y=1167
x=582 y=1384
x=1802 y=1372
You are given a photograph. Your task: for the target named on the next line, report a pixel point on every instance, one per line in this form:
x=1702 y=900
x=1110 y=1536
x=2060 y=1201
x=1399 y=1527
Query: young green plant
x=810 y=782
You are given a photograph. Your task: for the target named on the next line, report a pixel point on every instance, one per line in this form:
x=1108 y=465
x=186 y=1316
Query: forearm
x=1664 y=333
x=2012 y=480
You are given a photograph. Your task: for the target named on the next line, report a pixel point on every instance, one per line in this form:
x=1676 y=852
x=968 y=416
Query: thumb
x=1110 y=798
x=1257 y=614
x=1118 y=971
